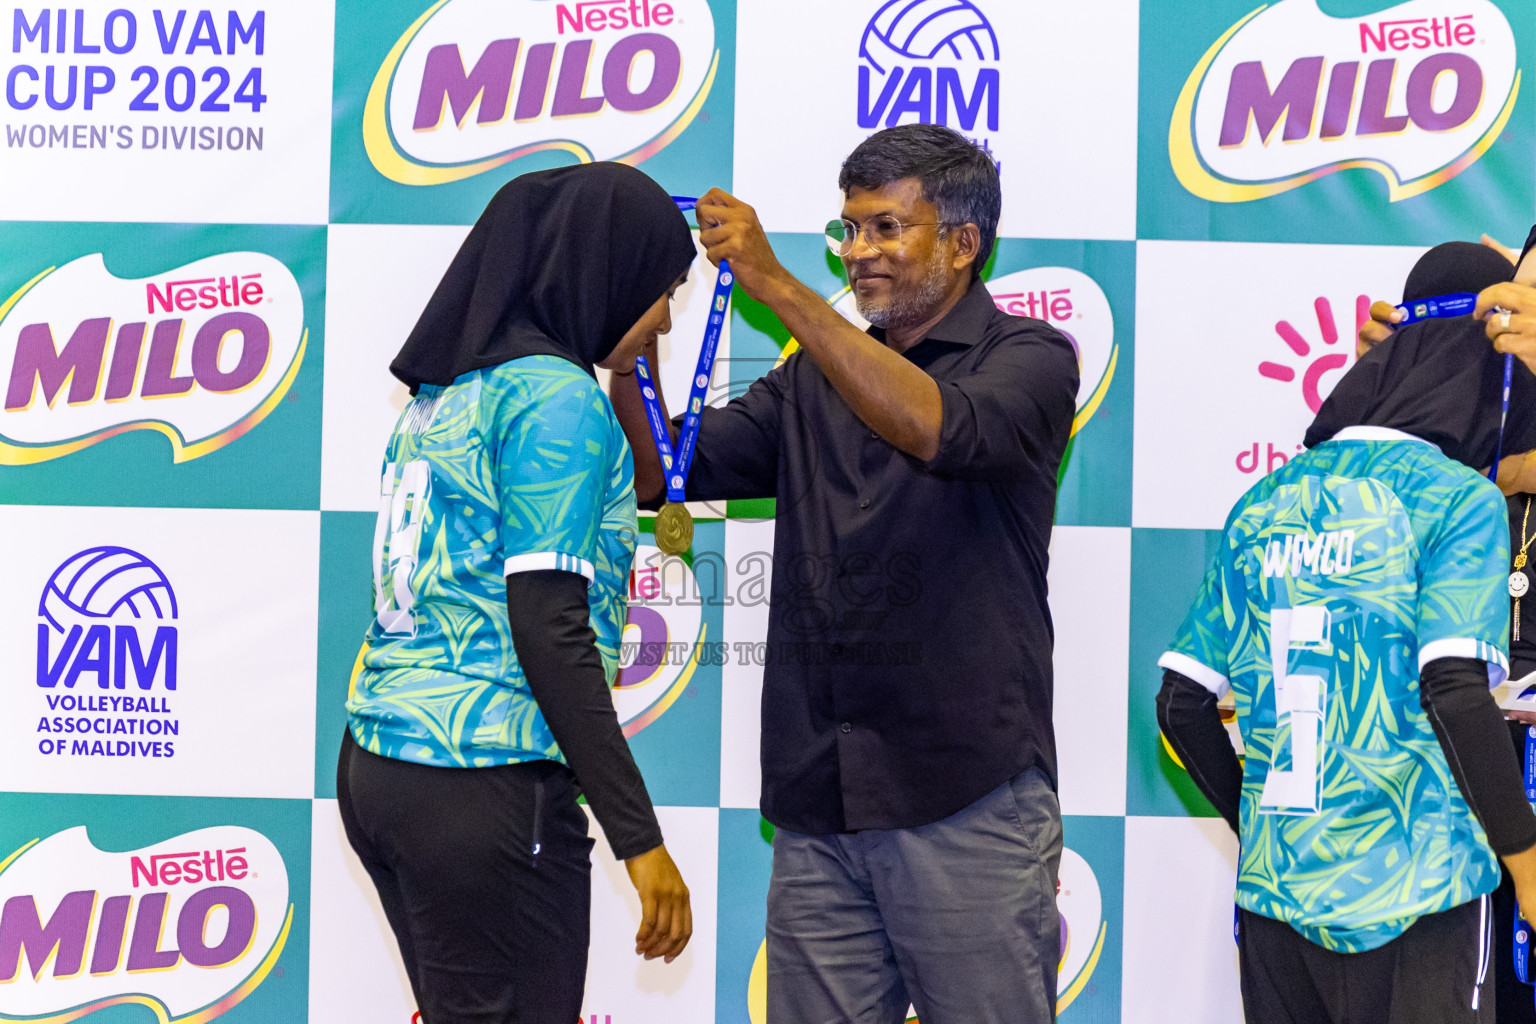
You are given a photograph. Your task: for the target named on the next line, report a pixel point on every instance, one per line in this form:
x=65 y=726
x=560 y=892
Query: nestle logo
x=205 y=293
x=1042 y=305
x=1417 y=34
x=596 y=15
x=203 y=866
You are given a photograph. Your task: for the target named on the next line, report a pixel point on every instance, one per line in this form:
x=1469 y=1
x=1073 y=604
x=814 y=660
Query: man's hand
x=729 y=230
x=1522 y=871
x=1380 y=327
x=666 y=919
x=1509 y=310
x=1385 y=316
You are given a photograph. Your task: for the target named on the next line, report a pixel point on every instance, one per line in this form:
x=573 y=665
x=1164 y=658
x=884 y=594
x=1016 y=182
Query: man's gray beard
x=910 y=309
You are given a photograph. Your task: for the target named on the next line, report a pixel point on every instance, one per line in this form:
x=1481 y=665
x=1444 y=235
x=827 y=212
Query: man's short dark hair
x=958 y=176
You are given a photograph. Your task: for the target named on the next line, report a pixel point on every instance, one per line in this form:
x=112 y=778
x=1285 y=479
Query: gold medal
x=674 y=529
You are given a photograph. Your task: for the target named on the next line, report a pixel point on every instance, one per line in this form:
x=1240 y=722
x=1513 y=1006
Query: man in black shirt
x=908 y=758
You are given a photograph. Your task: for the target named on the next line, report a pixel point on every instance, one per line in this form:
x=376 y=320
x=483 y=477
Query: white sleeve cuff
x=1184 y=665
x=537 y=560
x=1466 y=647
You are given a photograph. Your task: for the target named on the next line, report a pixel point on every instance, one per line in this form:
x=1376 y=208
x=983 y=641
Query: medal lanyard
x=1460 y=304
x=1498 y=451
x=676 y=468
x=1522 y=937
x=1454 y=304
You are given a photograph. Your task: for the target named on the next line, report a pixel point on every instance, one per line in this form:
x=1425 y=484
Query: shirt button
x=847 y=728
x=874 y=435
x=863 y=503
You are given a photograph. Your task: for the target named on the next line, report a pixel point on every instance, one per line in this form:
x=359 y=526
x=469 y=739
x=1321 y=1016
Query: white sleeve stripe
x=1202 y=674
x=1467 y=647
x=537 y=560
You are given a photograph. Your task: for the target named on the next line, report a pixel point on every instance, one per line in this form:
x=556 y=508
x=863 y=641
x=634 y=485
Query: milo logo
x=475 y=84
x=187 y=927
x=201 y=354
x=1416 y=93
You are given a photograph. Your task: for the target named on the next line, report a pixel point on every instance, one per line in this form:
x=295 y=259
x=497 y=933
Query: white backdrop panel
x=1043 y=194
x=233 y=592
x=1212 y=412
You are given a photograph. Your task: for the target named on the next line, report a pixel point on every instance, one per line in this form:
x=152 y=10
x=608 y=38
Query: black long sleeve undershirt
x=552 y=634
x=1187 y=714
x=1454 y=694
x=1471 y=731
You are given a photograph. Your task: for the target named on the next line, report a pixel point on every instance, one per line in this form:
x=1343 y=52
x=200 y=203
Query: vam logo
x=664 y=637
x=187 y=928
x=1316 y=365
x=108 y=614
x=1069 y=300
x=1417 y=93
x=201 y=353
x=930 y=62
x=475 y=84
x=107 y=658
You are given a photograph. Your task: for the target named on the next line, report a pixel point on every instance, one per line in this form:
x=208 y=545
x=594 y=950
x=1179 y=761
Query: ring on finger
x=1504 y=321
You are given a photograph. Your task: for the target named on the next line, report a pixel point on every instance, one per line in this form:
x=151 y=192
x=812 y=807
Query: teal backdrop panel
x=129 y=310
x=746 y=862
x=1166 y=568
x=676 y=737
x=435 y=110
x=346 y=608
x=118 y=857
x=1095 y=475
x=1090 y=899
x=1320 y=125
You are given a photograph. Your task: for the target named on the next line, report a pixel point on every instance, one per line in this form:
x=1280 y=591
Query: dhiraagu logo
x=475 y=84
x=187 y=928
x=200 y=353
x=1313 y=363
x=1417 y=93
x=663 y=640
x=1069 y=300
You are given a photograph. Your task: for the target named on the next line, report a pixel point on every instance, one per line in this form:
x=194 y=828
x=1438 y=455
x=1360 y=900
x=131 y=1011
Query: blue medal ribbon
x=1493 y=474
x=1522 y=937
x=1454 y=304
x=1460 y=304
x=676 y=465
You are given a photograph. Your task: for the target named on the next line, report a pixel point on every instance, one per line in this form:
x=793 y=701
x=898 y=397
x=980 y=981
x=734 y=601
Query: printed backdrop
x=220 y=224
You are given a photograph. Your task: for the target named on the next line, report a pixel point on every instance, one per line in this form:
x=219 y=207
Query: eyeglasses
x=883 y=233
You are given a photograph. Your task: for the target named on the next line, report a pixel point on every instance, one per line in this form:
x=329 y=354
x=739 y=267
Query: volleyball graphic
x=953 y=30
x=104 y=583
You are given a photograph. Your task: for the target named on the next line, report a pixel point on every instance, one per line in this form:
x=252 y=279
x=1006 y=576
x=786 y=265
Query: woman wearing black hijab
x=501 y=561
x=1364 y=873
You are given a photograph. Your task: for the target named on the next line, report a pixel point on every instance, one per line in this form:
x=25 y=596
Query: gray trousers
x=958 y=917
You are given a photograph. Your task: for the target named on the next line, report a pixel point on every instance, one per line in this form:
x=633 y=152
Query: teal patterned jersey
x=1339 y=577
x=513 y=468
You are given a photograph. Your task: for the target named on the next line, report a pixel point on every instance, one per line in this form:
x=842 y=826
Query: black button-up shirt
x=909 y=641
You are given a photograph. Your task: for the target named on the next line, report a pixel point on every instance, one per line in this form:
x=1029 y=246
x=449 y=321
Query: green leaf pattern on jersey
x=525 y=458
x=1414 y=560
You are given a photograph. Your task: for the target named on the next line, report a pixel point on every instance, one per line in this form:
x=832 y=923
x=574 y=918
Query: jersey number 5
x=403 y=494
x=1301 y=703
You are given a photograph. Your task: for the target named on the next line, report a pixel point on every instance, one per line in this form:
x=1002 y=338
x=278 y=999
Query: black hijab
x=1439 y=380
x=562 y=262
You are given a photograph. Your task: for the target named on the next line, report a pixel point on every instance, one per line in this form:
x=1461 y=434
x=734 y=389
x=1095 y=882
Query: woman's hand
x=666 y=919
x=1380 y=327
